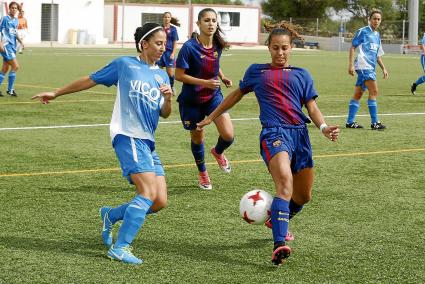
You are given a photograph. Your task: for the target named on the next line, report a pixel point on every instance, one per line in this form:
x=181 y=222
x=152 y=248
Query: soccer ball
x=255 y=206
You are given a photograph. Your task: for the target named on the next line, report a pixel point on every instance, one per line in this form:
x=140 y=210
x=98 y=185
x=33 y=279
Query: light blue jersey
x=423 y=43
x=369 y=47
x=138 y=102
x=8 y=28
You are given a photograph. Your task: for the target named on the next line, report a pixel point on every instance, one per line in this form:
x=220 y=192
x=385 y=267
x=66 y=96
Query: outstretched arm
x=331 y=132
x=81 y=84
x=232 y=99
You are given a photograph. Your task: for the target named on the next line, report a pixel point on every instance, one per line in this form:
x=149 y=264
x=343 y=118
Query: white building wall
x=247 y=32
x=84 y=15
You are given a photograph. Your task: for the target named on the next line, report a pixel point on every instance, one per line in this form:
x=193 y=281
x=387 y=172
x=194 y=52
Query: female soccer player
x=143 y=95
x=167 y=59
x=368 y=41
x=8 y=30
x=422 y=78
x=281 y=91
x=198 y=67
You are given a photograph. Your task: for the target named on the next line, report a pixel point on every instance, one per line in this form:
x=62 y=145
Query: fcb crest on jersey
x=187 y=123
x=215 y=54
x=277 y=143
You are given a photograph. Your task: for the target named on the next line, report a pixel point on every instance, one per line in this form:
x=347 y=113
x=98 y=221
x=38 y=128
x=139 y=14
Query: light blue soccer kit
x=8 y=30
x=368 y=44
x=134 y=121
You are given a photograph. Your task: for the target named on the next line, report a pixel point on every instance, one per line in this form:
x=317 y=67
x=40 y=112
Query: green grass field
x=365 y=224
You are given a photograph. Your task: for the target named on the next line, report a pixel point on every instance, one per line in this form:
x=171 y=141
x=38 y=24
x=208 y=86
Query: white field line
x=178 y=121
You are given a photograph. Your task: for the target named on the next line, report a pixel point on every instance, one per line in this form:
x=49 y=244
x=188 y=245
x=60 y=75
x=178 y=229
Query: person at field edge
x=143 y=95
x=368 y=42
x=167 y=59
x=281 y=91
x=198 y=67
x=8 y=30
x=22 y=29
x=421 y=79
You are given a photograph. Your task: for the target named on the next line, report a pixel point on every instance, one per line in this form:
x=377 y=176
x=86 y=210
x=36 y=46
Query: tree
x=361 y=9
x=283 y=9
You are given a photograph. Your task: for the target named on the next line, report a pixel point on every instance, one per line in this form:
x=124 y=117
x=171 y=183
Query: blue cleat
x=123 y=254
x=107 y=226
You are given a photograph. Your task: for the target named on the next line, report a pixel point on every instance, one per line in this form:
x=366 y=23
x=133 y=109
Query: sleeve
x=310 y=92
x=423 y=40
x=358 y=38
x=246 y=85
x=183 y=57
x=175 y=35
x=107 y=76
x=380 y=50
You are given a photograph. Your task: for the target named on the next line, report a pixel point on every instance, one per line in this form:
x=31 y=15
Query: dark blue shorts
x=291 y=139
x=166 y=61
x=191 y=114
x=365 y=75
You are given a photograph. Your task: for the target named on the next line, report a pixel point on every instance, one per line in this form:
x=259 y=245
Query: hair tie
x=155 y=28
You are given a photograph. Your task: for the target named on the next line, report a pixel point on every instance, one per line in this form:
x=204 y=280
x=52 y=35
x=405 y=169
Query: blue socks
x=294 y=209
x=198 y=152
x=373 y=110
x=420 y=80
x=11 y=82
x=222 y=145
x=1 y=77
x=280 y=219
x=117 y=214
x=353 y=107
x=134 y=217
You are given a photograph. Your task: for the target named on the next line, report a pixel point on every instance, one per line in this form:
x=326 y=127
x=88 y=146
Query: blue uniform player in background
x=8 y=34
x=143 y=94
x=198 y=67
x=168 y=58
x=421 y=79
x=281 y=91
x=368 y=42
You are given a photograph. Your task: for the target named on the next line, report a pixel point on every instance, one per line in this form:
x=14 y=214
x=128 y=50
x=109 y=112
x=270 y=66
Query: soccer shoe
x=123 y=254
x=413 y=88
x=222 y=161
x=204 y=181
x=353 y=125
x=377 y=126
x=12 y=93
x=107 y=226
x=280 y=254
x=289 y=236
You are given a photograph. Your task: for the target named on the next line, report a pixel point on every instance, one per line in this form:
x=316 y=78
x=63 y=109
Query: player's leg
x=280 y=170
x=354 y=104
x=302 y=184
x=12 y=77
x=170 y=73
x=198 y=151
x=225 y=139
x=4 y=69
x=372 y=104
x=421 y=79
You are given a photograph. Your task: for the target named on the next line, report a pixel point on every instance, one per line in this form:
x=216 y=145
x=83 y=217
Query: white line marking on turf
x=178 y=121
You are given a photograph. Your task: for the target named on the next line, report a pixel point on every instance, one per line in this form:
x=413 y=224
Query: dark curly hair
x=283 y=28
x=148 y=29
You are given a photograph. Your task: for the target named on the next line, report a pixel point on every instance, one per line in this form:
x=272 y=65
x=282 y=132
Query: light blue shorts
x=9 y=52
x=137 y=156
x=365 y=75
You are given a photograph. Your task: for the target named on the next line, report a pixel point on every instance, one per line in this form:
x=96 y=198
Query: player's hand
x=212 y=84
x=226 y=82
x=351 y=70
x=385 y=73
x=166 y=91
x=172 y=56
x=45 y=97
x=200 y=125
x=331 y=132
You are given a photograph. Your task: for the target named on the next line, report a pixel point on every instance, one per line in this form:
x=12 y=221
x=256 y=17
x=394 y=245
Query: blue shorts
x=423 y=61
x=365 y=75
x=166 y=61
x=191 y=114
x=291 y=139
x=136 y=156
x=9 y=52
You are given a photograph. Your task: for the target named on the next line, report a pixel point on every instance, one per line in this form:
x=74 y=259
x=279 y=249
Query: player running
x=143 y=95
x=368 y=42
x=422 y=78
x=198 y=67
x=281 y=91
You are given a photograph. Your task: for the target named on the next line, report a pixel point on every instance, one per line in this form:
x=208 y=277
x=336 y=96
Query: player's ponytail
x=217 y=37
x=174 y=21
x=283 y=28
x=145 y=33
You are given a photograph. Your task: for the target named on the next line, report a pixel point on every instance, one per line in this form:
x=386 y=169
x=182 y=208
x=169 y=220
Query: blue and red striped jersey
x=199 y=62
x=281 y=93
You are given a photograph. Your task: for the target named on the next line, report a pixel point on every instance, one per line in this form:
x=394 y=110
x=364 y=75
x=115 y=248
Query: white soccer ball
x=255 y=206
